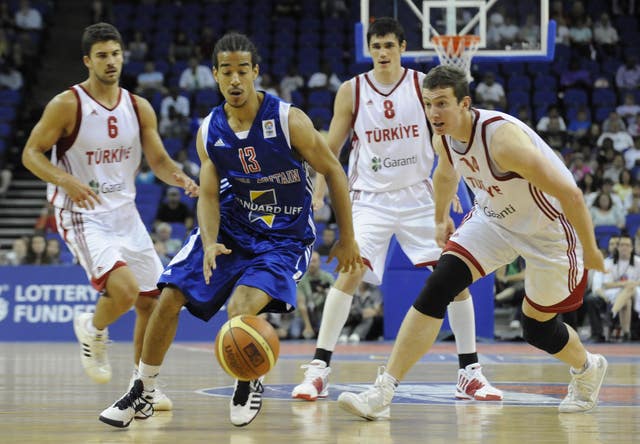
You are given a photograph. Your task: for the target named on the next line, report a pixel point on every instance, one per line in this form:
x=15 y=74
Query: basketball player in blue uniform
x=254 y=243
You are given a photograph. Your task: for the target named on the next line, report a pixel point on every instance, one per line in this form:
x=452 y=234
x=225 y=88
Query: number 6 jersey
x=103 y=151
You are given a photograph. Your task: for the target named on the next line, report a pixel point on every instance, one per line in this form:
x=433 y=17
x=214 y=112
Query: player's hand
x=209 y=260
x=191 y=188
x=593 y=259
x=317 y=202
x=457 y=206
x=80 y=193
x=308 y=333
x=444 y=230
x=347 y=253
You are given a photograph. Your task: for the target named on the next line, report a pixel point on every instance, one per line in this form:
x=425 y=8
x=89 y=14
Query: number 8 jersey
x=391 y=140
x=103 y=151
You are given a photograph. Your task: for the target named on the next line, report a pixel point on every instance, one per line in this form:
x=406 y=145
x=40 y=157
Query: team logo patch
x=376 y=163
x=261 y=202
x=95 y=186
x=268 y=128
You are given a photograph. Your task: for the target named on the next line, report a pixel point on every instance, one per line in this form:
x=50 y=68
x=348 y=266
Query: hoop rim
x=467 y=39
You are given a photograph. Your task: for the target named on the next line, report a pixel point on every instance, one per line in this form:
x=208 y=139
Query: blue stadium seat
x=511 y=69
x=517 y=98
x=602 y=112
x=544 y=97
x=323 y=114
x=7 y=113
x=632 y=223
x=519 y=82
x=575 y=97
x=133 y=68
x=173 y=145
x=537 y=68
x=604 y=97
x=545 y=81
x=320 y=98
x=10 y=97
x=5 y=130
x=297 y=98
x=178 y=230
x=206 y=97
x=149 y=193
x=604 y=233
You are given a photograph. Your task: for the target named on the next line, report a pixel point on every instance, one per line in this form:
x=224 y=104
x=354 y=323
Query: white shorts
x=555 y=278
x=104 y=241
x=409 y=213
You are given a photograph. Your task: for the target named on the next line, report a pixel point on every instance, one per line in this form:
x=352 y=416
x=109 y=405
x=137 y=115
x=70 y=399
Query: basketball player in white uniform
x=98 y=132
x=389 y=167
x=527 y=204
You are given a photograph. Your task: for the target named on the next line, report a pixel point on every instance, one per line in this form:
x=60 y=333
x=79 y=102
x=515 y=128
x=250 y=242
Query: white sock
x=148 y=375
x=581 y=370
x=334 y=316
x=91 y=328
x=463 y=325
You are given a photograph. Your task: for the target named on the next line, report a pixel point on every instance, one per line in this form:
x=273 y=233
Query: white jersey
x=504 y=197
x=104 y=151
x=391 y=139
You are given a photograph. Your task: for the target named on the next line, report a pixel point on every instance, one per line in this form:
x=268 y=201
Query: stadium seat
x=632 y=223
x=10 y=97
x=604 y=97
x=5 y=130
x=575 y=97
x=517 y=98
x=519 y=82
x=320 y=98
x=206 y=97
x=545 y=81
x=604 y=233
x=7 y=114
x=544 y=98
x=178 y=230
x=602 y=112
x=173 y=145
x=323 y=114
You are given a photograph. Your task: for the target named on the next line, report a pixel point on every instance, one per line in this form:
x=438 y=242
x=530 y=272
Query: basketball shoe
x=583 y=390
x=375 y=402
x=316 y=382
x=94 y=349
x=472 y=384
x=134 y=404
x=246 y=401
x=157 y=397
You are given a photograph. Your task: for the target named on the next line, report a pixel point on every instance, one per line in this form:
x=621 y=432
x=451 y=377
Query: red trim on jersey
x=77 y=224
x=404 y=74
x=425 y=264
x=543 y=204
x=457 y=248
x=356 y=104
x=151 y=293
x=571 y=253
x=367 y=263
x=101 y=282
x=571 y=303
x=507 y=175
x=416 y=83
x=92 y=98
x=134 y=103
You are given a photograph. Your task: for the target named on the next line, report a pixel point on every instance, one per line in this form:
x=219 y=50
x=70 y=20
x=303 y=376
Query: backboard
x=509 y=30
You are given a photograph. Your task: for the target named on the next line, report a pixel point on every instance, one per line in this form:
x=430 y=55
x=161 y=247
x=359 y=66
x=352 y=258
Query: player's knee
x=170 y=302
x=450 y=277
x=145 y=305
x=550 y=336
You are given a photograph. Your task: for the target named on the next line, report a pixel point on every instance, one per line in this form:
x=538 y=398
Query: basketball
x=247 y=347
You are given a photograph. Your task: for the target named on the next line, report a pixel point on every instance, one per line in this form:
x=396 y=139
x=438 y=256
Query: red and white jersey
x=104 y=151
x=504 y=197
x=391 y=139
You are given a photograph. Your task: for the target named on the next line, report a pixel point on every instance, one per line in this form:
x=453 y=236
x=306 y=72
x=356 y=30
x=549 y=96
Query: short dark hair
x=445 y=76
x=99 y=32
x=235 y=42
x=383 y=26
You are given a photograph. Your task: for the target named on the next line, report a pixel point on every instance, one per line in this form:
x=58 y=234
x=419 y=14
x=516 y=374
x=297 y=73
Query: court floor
x=46 y=398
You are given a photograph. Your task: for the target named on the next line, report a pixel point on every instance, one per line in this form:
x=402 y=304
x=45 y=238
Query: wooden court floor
x=46 y=398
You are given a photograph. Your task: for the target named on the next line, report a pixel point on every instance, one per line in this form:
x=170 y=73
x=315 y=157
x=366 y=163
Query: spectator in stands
x=621 y=139
x=524 y=114
x=145 y=174
x=629 y=108
x=555 y=134
x=508 y=32
x=138 y=48
x=509 y=289
x=624 y=186
x=605 y=36
x=53 y=251
x=529 y=34
x=634 y=130
x=101 y=11
x=179 y=102
x=163 y=233
x=611 y=118
x=37 y=251
x=6 y=174
x=628 y=74
x=18 y=252
x=578 y=166
x=328 y=239
x=334 y=8
x=581 y=37
x=588 y=184
x=604 y=212
x=580 y=124
x=614 y=168
x=606 y=188
x=632 y=156
x=365 y=308
x=578 y=13
x=632 y=205
x=575 y=76
x=563 y=35
x=46 y=222
x=265 y=83
x=10 y=77
x=206 y=43
x=324 y=79
x=150 y=81
x=7 y=20
x=489 y=93
x=161 y=249
x=196 y=76
x=190 y=168
x=620 y=7
x=311 y=294
x=292 y=81
x=174 y=210
x=619 y=284
x=552 y=113
x=181 y=48
x=595 y=305
x=28 y=18
x=174 y=125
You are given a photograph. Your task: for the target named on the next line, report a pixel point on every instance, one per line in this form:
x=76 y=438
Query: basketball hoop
x=456 y=50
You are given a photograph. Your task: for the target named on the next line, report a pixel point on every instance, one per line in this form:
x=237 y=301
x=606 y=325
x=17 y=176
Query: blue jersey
x=269 y=181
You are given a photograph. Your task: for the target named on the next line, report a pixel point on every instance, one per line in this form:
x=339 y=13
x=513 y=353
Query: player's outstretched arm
x=57 y=121
x=313 y=148
x=159 y=160
x=513 y=150
x=209 y=210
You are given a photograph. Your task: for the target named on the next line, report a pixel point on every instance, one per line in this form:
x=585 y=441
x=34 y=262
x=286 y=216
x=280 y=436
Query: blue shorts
x=276 y=272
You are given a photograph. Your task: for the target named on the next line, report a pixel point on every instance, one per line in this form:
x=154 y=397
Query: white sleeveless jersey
x=104 y=151
x=504 y=197
x=391 y=140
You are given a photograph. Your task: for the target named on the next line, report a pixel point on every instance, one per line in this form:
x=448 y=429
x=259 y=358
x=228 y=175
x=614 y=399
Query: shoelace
x=99 y=347
x=244 y=389
x=135 y=400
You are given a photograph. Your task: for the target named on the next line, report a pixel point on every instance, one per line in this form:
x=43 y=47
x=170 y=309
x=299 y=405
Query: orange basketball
x=247 y=347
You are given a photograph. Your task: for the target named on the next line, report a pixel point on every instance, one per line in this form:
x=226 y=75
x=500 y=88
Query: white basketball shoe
x=94 y=349
x=583 y=390
x=375 y=402
x=315 y=383
x=472 y=384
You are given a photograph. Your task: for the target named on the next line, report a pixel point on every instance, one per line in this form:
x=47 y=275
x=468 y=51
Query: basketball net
x=456 y=50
